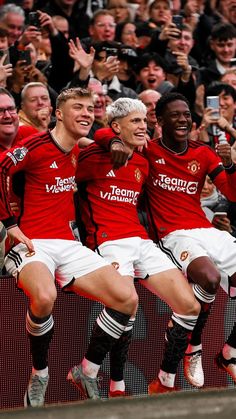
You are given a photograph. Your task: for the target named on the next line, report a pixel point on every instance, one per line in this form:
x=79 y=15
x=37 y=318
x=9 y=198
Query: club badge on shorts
x=30 y=254
x=183 y=255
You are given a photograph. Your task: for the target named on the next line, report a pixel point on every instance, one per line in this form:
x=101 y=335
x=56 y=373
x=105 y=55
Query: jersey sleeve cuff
x=116 y=140
x=9 y=222
x=230 y=169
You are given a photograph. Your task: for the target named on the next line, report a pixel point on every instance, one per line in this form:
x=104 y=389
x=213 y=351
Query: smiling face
x=182 y=44
x=151 y=76
x=103 y=28
x=100 y=99
x=131 y=129
x=15 y=26
x=77 y=116
x=9 y=121
x=224 y=50
x=176 y=123
x=35 y=98
x=150 y=99
x=227 y=106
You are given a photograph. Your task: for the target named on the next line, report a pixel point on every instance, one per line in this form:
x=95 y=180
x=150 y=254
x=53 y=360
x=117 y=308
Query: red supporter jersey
x=48 y=186
x=175 y=182
x=109 y=197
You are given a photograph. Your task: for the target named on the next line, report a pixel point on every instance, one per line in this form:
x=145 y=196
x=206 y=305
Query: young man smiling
x=109 y=200
x=177 y=171
x=46 y=248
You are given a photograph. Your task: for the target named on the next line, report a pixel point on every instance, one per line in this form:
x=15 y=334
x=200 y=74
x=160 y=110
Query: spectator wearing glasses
x=102 y=28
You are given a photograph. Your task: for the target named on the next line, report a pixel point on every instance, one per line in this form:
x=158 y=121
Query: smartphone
x=232 y=62
x=24 y=56
x=33 y=19
x=178 y=21
x=214 y=103
x=5 y=52
x=111 y=58
x=220 y=214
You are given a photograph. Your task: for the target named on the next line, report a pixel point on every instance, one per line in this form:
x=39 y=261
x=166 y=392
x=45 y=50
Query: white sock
x=117 y=385
x=41 y=373
x=166 y=378
x=228 y=351
x=89 y=368
x=193 y=348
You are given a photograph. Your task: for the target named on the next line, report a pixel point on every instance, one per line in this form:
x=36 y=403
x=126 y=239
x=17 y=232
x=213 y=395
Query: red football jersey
x=48 y=186
x=175 y=182
x=109 y=197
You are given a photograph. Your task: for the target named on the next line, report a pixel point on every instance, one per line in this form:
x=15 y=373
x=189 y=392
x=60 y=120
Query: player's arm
x=107 y=139
x=223 y=171
x=12 y=161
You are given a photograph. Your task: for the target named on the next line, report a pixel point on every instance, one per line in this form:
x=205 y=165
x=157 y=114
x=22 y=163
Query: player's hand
x=119 y=154
x=224 y=152
x=222 y=223
x=15 y=233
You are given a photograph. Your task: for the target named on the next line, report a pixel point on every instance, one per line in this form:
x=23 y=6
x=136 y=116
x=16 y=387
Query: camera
x=33 y=19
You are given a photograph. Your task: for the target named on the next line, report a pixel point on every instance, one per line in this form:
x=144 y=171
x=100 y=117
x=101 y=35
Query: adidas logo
x=160 y=161
x=54 y=165
x=111 y=174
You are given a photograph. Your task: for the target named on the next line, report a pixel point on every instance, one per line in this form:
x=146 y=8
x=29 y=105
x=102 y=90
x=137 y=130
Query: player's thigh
x=173 y=288
x=107 y=286
x=34 y=272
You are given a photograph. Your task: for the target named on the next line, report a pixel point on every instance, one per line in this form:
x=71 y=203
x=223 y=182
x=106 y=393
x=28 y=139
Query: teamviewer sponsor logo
x=176 y=184
x=61 y=185
x=121 y=195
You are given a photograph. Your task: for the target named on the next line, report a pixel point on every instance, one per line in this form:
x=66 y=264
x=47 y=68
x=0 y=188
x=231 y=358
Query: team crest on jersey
x=73 y=160
x=184 y=255
x=18 y=154
x=194 y=166
x=138 y=175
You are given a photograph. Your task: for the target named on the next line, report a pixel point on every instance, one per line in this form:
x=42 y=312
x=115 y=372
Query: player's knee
x=212 y=282
x=196 y=308
x=192 y=307
x=129 y=301
x=44 y=301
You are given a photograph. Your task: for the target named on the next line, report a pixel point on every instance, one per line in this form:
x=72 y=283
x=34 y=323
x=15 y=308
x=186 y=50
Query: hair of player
x=168 y=98
x=73 y=93
x=123 y=107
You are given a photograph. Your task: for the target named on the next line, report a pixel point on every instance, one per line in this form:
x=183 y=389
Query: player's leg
x=190 y=249
x=122 y=254
x=172 y=287
x=226 y=358
x=205 y=277
x=37 y=282
x=106 y=285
